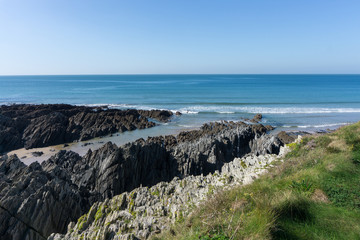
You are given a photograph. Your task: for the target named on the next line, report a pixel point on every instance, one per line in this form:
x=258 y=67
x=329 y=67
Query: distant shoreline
x=289 y=102
x=81 y=147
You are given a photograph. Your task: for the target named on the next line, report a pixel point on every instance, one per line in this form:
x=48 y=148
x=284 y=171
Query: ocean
x=290 y=102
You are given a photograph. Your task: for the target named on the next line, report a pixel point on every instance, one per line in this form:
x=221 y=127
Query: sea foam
x=317 y=126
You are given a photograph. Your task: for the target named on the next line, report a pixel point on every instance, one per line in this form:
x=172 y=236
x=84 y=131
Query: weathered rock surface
x=33 y=126
x=145 y=211
x=160 y=115
x=37 y=154
x=34 y=203
x=257 y=118
x=285 y=137
x=289 y=137
x=45 y=198
x=112 y=170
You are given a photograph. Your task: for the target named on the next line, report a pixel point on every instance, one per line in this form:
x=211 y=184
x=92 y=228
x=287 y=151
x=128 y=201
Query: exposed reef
x=146 y=211
x=33 y=126
x=35 y=202
x=38 y=200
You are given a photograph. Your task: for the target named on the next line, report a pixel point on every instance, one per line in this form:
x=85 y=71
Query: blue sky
x=165 y=36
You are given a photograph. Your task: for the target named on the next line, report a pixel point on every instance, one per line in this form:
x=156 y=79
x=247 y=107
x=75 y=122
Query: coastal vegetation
x=83 y=185
x=311 y=192
x=314 y=193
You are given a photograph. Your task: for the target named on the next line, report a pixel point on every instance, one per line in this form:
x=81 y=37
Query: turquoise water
x=300 y=102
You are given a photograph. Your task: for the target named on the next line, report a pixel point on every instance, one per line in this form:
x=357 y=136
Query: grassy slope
x=313 y=194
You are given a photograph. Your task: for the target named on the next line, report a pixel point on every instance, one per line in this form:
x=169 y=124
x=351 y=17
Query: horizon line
x=118 y=74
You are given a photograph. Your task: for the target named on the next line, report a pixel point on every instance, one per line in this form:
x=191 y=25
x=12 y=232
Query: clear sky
x=184 y=36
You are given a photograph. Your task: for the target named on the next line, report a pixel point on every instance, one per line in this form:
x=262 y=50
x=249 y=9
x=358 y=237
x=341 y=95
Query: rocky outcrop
x=145 y=211
x=112 y=170
x=10 y=137
x=160 y=115
x=33 y=126
x=289 y=137
x=35 y=203
x=285 y=137
x=71 y=183
x=257 y=118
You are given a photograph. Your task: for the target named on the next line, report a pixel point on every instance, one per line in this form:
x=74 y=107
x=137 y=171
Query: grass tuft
x=313 y=194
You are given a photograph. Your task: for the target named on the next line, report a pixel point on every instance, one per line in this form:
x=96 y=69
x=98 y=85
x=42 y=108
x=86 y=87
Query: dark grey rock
x=34 y=203
x=257 y=118
x=37 y=153
x=38 y=200
x=32 y=126
x=285 y=137
x=160 y=115
x=112 y=170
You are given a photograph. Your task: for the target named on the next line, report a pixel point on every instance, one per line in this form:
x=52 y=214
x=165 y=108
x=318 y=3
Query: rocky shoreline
x=38 y=200
x=145 y=211
x=33 y=126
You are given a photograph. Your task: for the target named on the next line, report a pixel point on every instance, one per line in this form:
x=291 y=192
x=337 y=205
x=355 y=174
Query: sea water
x=294 y=102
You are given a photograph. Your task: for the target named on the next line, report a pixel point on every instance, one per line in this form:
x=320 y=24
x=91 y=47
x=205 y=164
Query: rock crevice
x=32 y=126
x=63 y=188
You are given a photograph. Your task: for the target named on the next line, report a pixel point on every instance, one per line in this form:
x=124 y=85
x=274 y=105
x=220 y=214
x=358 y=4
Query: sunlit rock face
x=38 y=200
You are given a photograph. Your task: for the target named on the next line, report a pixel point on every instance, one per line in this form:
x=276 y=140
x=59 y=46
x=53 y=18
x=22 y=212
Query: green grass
x=313 y=194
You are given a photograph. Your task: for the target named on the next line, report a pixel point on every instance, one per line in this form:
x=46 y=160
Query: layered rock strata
x=112 y=170
x=32 y=126
x=34 y=203
x=41 y=199
x=146 y=211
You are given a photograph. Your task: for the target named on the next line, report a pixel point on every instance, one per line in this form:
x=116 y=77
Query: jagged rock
x=34 y=203
x=269 y=127
x=49 y=128
x=160 y=115
x=33 y=126
x=145 y=211
x=257 y=118
x=112 y=170
x=37 y=153
x=285 y=137
x=10 y=138
x=71 y=183
x=266 y=144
